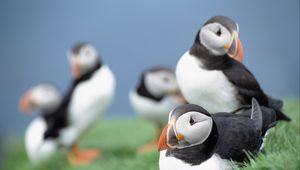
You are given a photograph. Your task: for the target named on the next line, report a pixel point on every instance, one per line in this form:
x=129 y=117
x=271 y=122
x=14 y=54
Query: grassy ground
x=119 y=139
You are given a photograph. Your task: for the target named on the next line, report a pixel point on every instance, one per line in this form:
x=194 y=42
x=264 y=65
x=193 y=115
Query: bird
x=212 y=75
x=194 y=139
x=86 y=100
x=43 y=98
x=152 y=99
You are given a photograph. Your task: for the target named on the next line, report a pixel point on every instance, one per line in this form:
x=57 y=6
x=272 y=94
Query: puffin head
x=83 y=58
x=160 y=81
x=188 y=125
x=219 y=35
x=40 y=98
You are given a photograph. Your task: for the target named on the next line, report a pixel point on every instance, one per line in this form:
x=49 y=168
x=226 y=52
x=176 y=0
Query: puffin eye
x=218 y=33
x=166 y=79
x=192 y=121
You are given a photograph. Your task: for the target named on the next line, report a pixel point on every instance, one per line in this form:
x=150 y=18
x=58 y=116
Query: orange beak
x=75 y=69
x=240 y=52
x=162 y=143
x=182 y=98
x=24 y=104
x=235 y=49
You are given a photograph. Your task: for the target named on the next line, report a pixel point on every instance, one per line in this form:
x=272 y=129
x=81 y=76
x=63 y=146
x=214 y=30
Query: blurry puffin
x=43 y=98
x=87 y=99
x=194 y=139
x=210 y=75
x=155 y=95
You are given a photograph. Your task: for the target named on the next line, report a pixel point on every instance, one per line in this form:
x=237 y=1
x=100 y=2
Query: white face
x=85 y=60
x=195 y=127
x=44 y=97
x=216 y=38
x=161 y=82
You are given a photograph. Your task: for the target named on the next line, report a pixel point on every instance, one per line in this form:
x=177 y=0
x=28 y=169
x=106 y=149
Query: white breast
x=207 y=88
x=37 y=148
x=90 y=100
x=151 y=110
x=213 y=163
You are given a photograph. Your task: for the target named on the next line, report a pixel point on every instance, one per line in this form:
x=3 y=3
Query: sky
x=134 y=35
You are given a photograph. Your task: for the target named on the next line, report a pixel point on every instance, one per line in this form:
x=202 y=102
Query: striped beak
x=235 y=48
x=169 y=138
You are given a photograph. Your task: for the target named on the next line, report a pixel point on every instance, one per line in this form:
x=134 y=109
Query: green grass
x=118 y=140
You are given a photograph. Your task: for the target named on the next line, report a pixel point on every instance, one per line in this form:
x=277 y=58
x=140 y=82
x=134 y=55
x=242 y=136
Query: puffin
x=194 y=139
x=87 y=99
x=154 y=96
x=211 y=72
x=43 y=98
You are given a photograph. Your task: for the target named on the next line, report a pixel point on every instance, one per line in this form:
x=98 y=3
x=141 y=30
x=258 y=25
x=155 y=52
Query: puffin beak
x=75 y=68
x=235 y=49
x=162 y=142
x=169 y=138
x=24 y=104
x=179 y=95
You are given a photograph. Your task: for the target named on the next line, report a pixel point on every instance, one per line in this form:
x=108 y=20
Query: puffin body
x=156 y=94
x=37 y=147
x=210 y=88
x=151 y=110
x=213 y=163
x=195 y=139
x=90 y=99
x=210 y=74
x=43 y=98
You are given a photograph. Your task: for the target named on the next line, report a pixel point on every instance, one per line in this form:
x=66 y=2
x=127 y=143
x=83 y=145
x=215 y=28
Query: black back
x=58 y=119
x=269 y=118
x=237 y=134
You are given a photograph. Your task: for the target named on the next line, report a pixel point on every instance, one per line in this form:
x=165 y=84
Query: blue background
x=134 y=35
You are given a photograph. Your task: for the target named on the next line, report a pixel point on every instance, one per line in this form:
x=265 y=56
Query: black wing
x=237 y=134
x=245 y=83
x=58 y=119
x=248 y=88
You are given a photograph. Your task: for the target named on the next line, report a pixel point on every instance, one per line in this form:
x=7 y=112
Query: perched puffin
x=43 y=98
x=194 y=139
x=155 y=95
x=88 y=97
x=210 y=74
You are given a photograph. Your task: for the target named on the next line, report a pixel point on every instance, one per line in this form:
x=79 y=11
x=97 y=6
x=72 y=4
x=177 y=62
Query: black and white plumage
x=194 y=139
x=88 y=97
x=156 y=94
x=42 y=98
x=208 y=74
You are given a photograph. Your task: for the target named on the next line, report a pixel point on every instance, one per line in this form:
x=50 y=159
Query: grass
x=118 y=140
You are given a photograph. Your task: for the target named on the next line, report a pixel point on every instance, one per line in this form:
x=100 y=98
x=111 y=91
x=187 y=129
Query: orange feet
x=77 y=156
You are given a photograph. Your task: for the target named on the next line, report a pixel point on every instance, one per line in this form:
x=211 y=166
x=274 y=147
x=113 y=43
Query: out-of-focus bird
x=210 y=75
x=88 y=97
x=155 y=95
x=43 y=98
x=194 y=139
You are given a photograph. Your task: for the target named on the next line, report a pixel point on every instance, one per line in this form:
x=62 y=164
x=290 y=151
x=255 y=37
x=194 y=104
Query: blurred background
x=134 y=35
